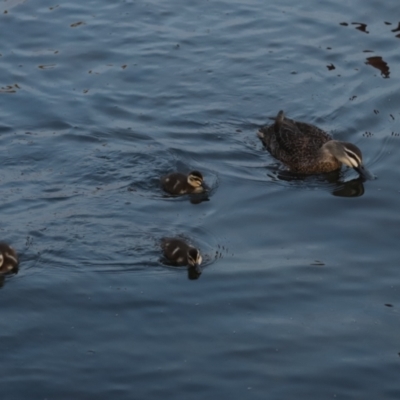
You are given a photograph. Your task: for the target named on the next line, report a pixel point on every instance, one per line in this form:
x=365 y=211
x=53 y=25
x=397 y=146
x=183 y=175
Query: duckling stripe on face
x=11 y=257
x=180 y=259
x=353 y=157
x=1 y=260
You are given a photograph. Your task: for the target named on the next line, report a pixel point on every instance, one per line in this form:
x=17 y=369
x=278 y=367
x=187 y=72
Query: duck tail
x=278 y=121
x=279 y=117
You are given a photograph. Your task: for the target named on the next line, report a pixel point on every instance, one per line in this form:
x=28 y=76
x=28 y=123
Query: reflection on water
x=352 y=188
x=337 y=186
x=194 y=198
x=193 y=272
x=198 y=198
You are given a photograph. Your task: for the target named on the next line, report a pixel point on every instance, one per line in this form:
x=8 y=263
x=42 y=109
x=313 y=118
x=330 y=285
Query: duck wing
x=295 y=137
x=287 y=134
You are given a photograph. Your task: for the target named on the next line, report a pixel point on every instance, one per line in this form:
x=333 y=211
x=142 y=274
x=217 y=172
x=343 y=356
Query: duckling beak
x=364 y=173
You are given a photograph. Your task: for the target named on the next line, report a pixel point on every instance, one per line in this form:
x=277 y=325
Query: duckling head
x=348 y=154
x=8 y=259
x=195 y=179
x=194 y=257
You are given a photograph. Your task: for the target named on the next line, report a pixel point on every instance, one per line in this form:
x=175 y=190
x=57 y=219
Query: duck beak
x=364 y=173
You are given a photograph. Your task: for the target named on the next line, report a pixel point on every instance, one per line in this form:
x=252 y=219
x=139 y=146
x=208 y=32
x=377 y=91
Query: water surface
x=299 y=297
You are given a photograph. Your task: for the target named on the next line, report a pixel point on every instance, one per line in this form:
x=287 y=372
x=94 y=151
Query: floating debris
x=361 y=27
x=9 y=88
x=396 y=29
x=318 y=263
x=77 y=24
x=378 y=63
x=48 y=66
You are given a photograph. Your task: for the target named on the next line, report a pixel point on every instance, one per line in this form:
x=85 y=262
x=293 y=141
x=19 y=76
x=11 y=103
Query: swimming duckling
x=8 y=259
x=306 y=149
x=177 y=183
x=179 y=253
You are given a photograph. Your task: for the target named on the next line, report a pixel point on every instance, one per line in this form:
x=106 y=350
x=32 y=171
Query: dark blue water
x=300 y=293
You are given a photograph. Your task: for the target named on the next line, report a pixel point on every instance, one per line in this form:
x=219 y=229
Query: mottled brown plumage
x=180 y=253
x=178 y=183
x=306 y=149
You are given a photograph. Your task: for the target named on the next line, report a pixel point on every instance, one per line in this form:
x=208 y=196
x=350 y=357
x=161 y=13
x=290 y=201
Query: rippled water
x=300 y=292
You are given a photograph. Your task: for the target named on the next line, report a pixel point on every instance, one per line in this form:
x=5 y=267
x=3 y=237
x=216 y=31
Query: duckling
x=179 y=253
x=307 y=149
x=177 y=183
x=8 y=259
